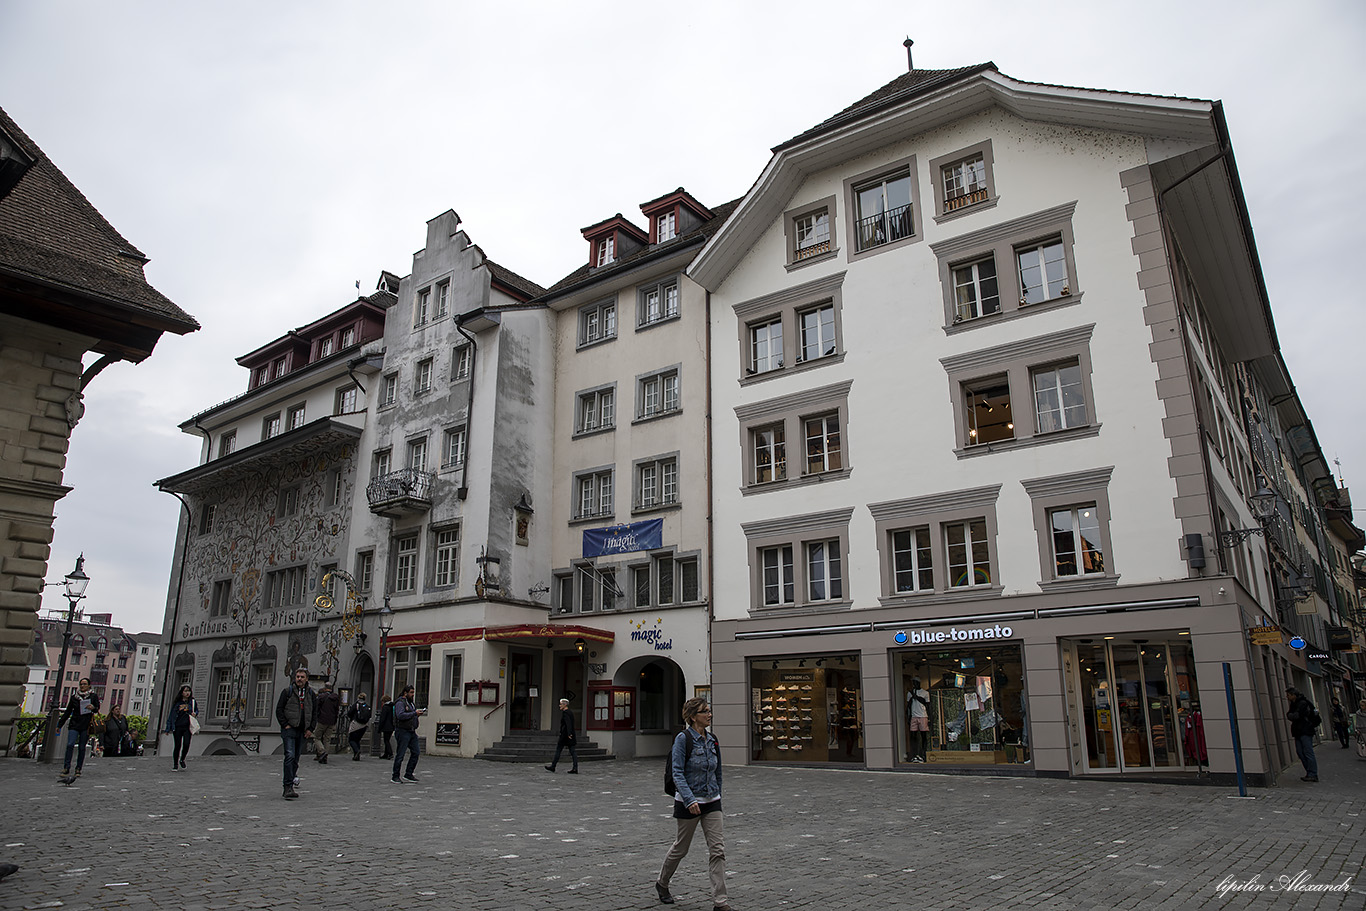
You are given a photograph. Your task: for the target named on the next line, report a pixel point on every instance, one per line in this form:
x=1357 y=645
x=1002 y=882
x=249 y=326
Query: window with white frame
x=564 y=592
x=271 y=425
x=666 y=226
x=596 y=410
x=942 y=543
x=422 y=307
x=383 y=463
x=220 y=599
x=806 y=318
x=405 y=563
x=666 y=579
x=1059 y=397
x=1052 y=373
x=975 y=290
x=295 y=417
x=365 y=570
x=912 y=560
x=823 y=443
x=288 y=501
x=969 y=553
x=443 y=300
x=597 y=322
x=1072 y=519
x=325 y=347
x=815 y=418
x=261 y=692
x=607 y=250
x=658 y=302
x=417 y=454
x=348 y=337
x=388 y=392
x=658 y=393
x=882 y=207
x=445 y=556
x=964 y=181
x=206 y=517
x=453 y=447
x=346 y=400
x=824 y=580
x=285 y=587
x=593 y=494
x=227 y=443
x=977 y=281
x=657 y=482
x=279 y=368
x=817 y=328
x=766 y=346
x=797 y=561
x=462 y=357
x=422 y=377
x=222 y=692
x=452 y=687
x=811 y=235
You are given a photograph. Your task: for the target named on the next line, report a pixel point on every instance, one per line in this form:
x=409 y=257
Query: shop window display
x=806 y=709
x=976 y=706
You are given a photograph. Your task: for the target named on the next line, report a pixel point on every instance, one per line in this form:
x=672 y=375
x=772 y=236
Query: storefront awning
x=548 y=631
x=520 y=633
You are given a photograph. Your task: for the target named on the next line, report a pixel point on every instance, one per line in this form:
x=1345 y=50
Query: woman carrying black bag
x=116 y=740
x=359 y=717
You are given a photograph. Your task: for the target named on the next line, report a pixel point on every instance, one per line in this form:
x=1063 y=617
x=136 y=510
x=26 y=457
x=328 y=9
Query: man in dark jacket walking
x=1301 y=715
x=406 y=714
x=329 y=710
x=386 y=726
x=566 y=739
x=297 y=712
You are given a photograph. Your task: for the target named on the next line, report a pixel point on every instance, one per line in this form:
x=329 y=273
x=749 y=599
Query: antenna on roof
x=910 y=67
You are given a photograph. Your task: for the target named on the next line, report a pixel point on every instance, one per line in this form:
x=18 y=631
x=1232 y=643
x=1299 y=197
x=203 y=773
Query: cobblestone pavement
x=479 y=835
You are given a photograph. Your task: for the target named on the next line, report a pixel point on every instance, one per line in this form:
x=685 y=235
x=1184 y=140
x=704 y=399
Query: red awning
x=433 y=638
x=547 y=631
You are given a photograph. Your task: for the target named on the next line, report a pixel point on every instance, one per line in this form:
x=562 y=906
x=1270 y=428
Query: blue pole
x=1233 y=726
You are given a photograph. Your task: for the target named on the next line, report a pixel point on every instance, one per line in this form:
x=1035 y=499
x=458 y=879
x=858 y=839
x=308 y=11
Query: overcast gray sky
x=266 y=155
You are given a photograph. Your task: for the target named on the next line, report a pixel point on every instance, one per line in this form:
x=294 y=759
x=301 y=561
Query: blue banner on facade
x=623 y=539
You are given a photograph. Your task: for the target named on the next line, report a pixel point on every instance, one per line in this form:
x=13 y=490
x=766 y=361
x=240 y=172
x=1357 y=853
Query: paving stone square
x=130 y=833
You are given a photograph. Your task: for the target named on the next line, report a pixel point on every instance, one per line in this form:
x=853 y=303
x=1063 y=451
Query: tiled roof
x=706 y=229
x=50 y=233
x=907 y=85
x=513 y=280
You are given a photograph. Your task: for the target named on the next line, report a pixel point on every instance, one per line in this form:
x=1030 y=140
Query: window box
x=810 y=233
x=964 y=182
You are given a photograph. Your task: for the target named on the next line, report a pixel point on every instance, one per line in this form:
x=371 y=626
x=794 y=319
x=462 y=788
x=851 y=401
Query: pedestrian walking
x=1359 y=726
x=358 y=716
x=1340 y=722
x=329 y=710
x=297 y=712
x=696 y=764
x=1303 y=719
x=80 y=711
x=386 y=726
x=406 y=715
x=117 y=740
x=182 y=724
x=566 y=739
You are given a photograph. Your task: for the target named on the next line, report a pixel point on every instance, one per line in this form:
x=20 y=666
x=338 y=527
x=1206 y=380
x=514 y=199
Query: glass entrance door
x=523 y=707
x=1127 y=700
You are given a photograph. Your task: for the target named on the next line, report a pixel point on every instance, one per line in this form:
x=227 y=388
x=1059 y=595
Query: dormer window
x=348 y=337
x=325 y=347
x=666 y=227
x=279 y=368
x=262 y=374
x=607 y=250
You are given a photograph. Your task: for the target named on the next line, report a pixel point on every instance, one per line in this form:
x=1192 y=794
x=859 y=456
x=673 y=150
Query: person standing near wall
x=1302 y=724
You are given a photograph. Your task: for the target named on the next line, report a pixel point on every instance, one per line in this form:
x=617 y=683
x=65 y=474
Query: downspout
x=711 y=510
x=463 y=489
x=175 y=615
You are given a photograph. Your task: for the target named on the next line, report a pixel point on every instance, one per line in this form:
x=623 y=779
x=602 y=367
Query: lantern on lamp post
x=75 y=584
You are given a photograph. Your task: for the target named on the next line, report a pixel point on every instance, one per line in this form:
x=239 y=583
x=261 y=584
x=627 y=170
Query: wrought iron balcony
x=885 y=227
x=405 y=492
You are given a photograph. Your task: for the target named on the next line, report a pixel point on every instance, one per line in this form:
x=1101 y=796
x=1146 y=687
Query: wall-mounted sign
x=1266 y=635
x=1318 y=656
x=623 y=539
x=448 y=734
x=952 y=634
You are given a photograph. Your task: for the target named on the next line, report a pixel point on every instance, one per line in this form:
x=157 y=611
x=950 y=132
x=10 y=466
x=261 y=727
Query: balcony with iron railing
x=885 y=227
x=954 y=203
x=405 y=492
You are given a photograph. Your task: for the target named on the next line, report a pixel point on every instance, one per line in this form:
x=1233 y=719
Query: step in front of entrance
x=539 y=747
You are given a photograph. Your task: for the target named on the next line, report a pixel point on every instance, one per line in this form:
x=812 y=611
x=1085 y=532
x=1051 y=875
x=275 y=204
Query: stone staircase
x=539 y=747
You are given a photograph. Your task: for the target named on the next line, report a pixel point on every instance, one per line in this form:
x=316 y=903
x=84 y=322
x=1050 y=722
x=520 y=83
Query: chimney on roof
x=910 y=67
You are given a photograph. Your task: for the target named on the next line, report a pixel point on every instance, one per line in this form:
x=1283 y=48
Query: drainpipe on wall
x=711 y=510
x=463 y=489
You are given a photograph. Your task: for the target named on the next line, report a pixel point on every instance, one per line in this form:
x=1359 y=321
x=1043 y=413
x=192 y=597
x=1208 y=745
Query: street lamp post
x=386 y=624
x=75 y=584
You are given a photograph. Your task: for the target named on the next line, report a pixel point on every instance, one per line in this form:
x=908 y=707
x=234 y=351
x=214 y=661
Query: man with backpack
x=359 y=717
x=1304 y=718
x=695 y=773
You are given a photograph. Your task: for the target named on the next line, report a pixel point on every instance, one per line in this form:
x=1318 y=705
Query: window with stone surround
x=797 y=561
x=797 y=329
x=938 y=545
x=964 y=181
x=815 y=418
x=1072 y=523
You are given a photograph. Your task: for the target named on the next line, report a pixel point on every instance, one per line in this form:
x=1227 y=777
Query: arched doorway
x=660 y=692
x=363 y=676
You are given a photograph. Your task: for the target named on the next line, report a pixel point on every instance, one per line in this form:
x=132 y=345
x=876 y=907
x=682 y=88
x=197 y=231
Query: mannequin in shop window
x=917 y=721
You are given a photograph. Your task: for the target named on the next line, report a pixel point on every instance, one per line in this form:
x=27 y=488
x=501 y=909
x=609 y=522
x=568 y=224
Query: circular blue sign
x=1297 y=642
x=900 y=637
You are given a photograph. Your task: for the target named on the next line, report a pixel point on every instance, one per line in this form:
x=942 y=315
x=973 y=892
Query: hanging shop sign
x=1314 y=655
x=1297 y=642
x=623 y=539
x=1339 y=638
x=1266 y=635
x=952 y=634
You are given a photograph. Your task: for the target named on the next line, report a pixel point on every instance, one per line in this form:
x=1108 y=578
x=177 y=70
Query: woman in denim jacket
x=697 y=800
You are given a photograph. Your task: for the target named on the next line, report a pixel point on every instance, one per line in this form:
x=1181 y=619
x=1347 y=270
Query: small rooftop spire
x=910 y=67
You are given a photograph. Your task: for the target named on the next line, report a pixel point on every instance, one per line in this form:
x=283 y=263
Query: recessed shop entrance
x=1131 y=697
